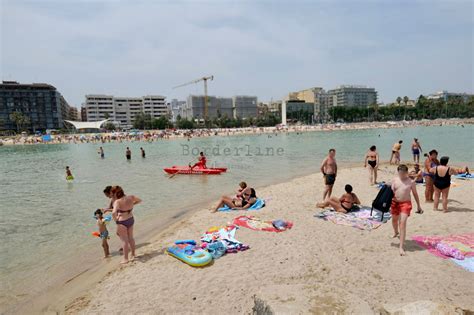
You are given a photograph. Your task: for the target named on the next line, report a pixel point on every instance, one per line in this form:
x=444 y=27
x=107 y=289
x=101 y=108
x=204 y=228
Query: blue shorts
x=415 y=151
x=104 y=235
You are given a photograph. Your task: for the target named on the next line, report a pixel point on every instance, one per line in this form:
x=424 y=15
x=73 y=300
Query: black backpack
x=383 y=200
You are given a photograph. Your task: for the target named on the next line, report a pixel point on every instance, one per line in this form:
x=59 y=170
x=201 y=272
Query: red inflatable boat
x=195 y=171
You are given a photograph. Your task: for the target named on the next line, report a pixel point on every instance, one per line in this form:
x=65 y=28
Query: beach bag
x=383 y=200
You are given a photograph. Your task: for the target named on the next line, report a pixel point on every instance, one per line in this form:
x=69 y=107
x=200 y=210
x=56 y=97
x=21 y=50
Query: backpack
x=383 y=200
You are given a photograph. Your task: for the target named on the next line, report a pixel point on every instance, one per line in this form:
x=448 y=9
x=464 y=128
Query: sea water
x=47 y=221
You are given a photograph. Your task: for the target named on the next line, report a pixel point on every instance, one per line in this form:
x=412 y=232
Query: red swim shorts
x=398 y=207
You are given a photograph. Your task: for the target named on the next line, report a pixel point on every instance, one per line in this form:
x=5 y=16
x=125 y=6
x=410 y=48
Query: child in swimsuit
x=402 y=187
x=242 y=186
x=104 y=233
x=69 y=174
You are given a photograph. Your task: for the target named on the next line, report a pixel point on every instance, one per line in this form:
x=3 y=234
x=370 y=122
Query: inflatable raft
x=195 y=171
x=190 y=254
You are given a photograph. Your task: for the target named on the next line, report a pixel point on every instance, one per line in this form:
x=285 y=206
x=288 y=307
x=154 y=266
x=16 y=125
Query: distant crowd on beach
x=155 y=135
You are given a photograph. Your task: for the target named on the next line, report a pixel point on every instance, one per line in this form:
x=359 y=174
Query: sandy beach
x=316 y=267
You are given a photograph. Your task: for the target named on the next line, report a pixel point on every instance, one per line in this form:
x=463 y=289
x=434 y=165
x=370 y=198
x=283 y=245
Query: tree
x=19 y=119
x=399 y=100
x=405 y=100
x=109 y=126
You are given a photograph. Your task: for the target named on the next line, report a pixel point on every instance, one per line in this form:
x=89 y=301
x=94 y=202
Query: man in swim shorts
x=396 y=152
x=329 y=170
x=128 y=154
x=402 y=187
x=416 y=149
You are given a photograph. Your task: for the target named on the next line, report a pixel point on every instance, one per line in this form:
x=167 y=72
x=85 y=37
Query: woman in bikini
x=249 y=197
x=343 y=204
x=372 y=159
x=442 y=181
x=430 y=162
x=123 y=216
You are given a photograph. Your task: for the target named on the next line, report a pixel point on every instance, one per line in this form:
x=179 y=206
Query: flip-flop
x=419 y=211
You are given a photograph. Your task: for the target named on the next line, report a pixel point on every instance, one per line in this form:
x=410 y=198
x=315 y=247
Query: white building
x=177 y=109
x=122 y=110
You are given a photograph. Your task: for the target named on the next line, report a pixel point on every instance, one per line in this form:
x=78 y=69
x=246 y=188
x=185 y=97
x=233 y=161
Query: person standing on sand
x=372 y=158
x=442 y=181
x=416 y=150
x=329 y=170
x=430 y=162
x=128 y=154
x=123 y=217
x=402 y=187
x=396 y=152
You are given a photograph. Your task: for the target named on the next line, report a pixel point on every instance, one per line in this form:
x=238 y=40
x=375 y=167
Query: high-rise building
x=352 y=96
x=216 y=107
x=42 y=103
x=245 y=106
x=123 y=110
x=307 y=95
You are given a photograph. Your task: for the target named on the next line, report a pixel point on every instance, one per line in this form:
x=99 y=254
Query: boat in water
x=195 y=171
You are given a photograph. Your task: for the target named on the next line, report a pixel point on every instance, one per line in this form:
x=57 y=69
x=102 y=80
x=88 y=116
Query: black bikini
x=372 y=163
x=442 y=182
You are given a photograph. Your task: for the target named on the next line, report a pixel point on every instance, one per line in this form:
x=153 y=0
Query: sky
x=263 y=48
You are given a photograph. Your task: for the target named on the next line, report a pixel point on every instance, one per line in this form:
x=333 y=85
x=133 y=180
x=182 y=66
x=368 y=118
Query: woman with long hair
x=123 y=216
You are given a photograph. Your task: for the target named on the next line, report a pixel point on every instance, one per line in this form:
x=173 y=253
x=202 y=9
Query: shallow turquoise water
x=46 y=219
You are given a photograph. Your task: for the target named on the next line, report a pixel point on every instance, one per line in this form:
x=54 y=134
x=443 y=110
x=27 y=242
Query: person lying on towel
x=343 y=204
x=249 y=197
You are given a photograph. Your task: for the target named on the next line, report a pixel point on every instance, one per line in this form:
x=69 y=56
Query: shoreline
x=74 y=294
x=226 y=132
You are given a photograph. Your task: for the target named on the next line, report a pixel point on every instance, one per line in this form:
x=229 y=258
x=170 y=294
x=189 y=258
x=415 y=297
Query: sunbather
x=249 y=197
x=343 y=204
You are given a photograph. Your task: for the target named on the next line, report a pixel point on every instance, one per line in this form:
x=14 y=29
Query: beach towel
x=359 y=219
x=464 y=176
x=458 y=246
x=226 y=236
x=259 y=204
x=257 y=224
x=467 y=263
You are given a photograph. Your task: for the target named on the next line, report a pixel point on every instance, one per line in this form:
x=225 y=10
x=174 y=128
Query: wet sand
x=315 y=267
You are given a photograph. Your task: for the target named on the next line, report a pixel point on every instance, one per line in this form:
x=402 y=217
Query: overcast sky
x=263 y=48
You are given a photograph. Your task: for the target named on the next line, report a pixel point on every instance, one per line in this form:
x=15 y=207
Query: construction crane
x=211 y=77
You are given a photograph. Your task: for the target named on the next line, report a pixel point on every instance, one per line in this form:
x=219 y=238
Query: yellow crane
x=211 y=77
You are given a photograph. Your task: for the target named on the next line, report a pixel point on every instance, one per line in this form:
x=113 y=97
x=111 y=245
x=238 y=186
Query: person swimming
x=344 y=204
x=101 y=152
x=69 y=174
x=416 y=149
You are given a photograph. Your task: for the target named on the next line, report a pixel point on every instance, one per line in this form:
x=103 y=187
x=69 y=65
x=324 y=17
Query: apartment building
x=41 y=103
x=123 y=110
x=352 y=96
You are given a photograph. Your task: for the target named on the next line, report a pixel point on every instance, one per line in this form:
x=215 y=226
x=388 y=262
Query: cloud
x=255 y=48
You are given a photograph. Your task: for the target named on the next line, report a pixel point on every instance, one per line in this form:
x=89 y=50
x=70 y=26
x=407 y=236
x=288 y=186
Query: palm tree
x=405 y=100
x=19 y=119
x=399 y=100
